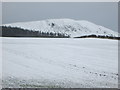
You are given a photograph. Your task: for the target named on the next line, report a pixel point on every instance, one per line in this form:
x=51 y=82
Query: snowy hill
x=74 y=28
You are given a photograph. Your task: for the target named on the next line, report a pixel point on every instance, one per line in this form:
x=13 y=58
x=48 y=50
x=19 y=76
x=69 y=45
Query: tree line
x=8 y=31
x=99 y=36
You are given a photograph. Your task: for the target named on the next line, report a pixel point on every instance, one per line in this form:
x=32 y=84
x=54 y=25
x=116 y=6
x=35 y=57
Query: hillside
x=68 y=27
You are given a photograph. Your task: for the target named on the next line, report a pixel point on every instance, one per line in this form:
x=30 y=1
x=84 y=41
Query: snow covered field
x=58 y=62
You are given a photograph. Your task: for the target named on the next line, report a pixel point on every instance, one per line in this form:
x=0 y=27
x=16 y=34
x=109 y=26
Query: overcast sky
x=101 y=13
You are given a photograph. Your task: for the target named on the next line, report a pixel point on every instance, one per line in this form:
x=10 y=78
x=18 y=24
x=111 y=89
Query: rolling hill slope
x=73 y=28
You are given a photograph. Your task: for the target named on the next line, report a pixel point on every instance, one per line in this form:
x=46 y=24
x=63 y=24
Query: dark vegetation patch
x=20 y=32
x=99 y=36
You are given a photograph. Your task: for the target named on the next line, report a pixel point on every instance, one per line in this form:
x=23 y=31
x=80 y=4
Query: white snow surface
x=74 y=28
x=60 y=62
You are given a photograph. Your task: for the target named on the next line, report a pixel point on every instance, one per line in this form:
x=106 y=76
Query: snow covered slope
x=60 y=62
x=74 y=28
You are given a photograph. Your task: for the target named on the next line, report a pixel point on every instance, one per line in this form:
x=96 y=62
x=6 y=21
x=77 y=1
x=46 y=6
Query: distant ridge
x=68 y=27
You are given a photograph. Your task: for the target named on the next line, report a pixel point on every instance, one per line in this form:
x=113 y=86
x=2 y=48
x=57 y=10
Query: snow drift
x=60 y=62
